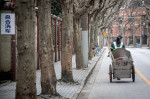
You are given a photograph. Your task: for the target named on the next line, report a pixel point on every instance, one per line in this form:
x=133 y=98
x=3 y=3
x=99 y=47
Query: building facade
x=132 y=25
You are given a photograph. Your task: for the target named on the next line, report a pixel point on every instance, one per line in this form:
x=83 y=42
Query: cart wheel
x=133 y=73
x=110 y=73
x=113 y=74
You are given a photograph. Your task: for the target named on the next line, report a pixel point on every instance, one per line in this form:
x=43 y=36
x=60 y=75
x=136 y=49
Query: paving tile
x=66 y=90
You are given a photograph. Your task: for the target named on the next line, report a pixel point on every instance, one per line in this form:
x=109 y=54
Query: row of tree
x=100 y=14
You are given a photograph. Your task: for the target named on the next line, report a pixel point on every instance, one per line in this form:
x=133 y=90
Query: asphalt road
x=99 y=87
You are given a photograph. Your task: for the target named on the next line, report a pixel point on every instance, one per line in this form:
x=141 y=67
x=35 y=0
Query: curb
x=86 y=77
x=5 y=83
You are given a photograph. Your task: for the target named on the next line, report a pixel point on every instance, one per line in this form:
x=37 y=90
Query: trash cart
x=122 y=65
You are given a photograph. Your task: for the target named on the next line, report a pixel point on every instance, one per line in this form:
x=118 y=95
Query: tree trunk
x=149 y=42
x=91 y=42
x=95 y=36
x=84 y=23
x=89 y=34
x=141 y=39
x=48 y=77
x=26 y=70
x=67 y=35
x=134 y=38
x=124 y=37
x=78 y=44
x=100 y=39
x=127 y=40
x=149 y=36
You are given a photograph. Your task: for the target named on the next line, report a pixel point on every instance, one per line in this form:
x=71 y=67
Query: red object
x=12 y=3
x=38 y=60
x=120 y=58
x=13 y=57
x=13 y=48
x=61 y=35
x=55 y=41
x=59 y=45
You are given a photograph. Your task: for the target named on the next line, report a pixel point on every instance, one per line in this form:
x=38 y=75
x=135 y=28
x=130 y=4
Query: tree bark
x=124 y=37
x=26 y=70
x=100 y=39
x=149 y=42
x=91 y=43
x=78 y=44
x=128 y=40
x=89 y=32
x=67 y=35
x=149 y=36
x=95 y=36
x=48 y=77
x=84 y=23
x=134 y=37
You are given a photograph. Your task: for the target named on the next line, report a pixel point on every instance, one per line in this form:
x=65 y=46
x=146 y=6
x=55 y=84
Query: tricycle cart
x=122 y=65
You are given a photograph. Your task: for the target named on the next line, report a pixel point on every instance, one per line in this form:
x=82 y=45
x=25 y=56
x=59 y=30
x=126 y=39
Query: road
x=99 y=87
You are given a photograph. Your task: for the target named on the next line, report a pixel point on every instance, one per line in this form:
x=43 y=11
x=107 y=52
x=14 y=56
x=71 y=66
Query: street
x=58 y=49
x=98 y=85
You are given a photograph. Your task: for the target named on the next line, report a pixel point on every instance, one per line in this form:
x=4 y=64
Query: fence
x=56 y=26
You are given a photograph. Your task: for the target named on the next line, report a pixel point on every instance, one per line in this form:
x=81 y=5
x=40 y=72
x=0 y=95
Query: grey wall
x=5 y=51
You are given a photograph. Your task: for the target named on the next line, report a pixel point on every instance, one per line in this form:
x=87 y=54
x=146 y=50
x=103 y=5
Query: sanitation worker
x=117 y=43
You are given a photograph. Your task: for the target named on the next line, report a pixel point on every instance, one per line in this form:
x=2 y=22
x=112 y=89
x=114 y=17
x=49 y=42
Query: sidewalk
x=67 y=90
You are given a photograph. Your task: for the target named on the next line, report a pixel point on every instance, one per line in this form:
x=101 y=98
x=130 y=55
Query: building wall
x=5 y=53
x=129 y=33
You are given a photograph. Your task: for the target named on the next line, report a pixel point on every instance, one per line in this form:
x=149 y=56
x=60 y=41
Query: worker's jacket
x=116 y=45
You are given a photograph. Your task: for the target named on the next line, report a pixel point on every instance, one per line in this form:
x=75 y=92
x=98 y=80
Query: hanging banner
x=7 y=23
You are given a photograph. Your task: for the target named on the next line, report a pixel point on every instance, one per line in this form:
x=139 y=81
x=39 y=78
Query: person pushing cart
x=117 y=43
x=122 y=63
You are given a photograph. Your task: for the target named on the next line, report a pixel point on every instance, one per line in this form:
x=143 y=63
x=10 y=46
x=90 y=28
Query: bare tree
x=26 y=71
x=128 y=23
x=80 y=8
x=146 y=5
x=67 y=37
x=48 y=77
x=96 y=10
x=103 y=13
